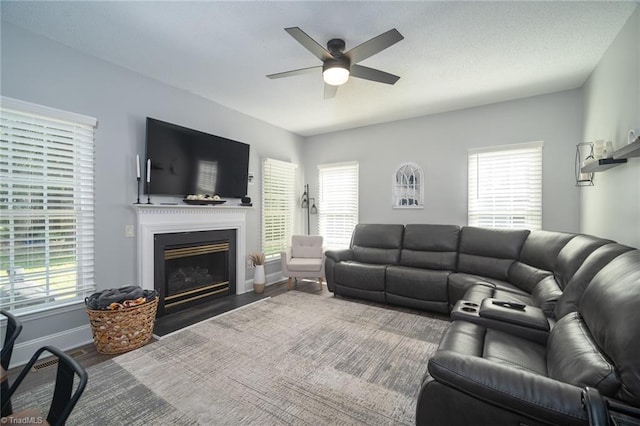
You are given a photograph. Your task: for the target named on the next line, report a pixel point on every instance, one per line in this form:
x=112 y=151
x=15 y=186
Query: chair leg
x=6 y=408
x=289 y=283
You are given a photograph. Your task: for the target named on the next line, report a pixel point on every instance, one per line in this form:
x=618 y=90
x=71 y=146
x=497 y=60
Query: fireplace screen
x=191 y=268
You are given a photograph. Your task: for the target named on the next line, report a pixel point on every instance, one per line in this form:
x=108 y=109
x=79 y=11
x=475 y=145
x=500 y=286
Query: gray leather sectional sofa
x=537 y=317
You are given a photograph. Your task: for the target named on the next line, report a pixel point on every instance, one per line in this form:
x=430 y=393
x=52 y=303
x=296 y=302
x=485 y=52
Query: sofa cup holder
x=469 y=307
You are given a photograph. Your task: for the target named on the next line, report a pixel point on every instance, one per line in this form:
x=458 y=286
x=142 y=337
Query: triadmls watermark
x=26 y=420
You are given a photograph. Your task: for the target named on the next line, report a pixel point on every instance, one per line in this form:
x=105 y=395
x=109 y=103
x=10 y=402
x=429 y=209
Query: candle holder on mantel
x=149 y=193
x=138 y=188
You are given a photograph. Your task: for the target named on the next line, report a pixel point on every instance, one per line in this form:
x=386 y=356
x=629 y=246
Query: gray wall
x=35 y=69
x=439 y=144
x=38 y=70
x=611 y=208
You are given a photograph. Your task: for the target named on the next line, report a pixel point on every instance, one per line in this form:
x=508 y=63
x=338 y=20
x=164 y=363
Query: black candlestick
x=148 y=193
x=138 y=187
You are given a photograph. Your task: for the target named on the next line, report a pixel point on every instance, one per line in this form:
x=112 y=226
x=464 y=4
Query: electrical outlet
x=128 y=231
x=249 y=264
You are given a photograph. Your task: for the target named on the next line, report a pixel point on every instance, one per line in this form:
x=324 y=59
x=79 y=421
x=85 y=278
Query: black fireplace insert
x=193 y=267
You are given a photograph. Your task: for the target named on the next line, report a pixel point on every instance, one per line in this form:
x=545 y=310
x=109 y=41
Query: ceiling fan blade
x=294 y=72
x=373 y=46
x=372 y=74
x=330 y=91
x=310 y=44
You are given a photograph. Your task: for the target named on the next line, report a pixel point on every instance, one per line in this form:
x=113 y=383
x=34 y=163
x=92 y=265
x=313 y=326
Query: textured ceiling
x=454 y=55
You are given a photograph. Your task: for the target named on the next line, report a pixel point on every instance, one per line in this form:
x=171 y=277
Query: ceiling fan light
x=335 y=76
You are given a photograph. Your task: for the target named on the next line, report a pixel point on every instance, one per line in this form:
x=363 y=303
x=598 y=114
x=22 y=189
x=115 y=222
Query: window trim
x=292 y=204
x=82 y=185
x=324 y=210
x=28 y=107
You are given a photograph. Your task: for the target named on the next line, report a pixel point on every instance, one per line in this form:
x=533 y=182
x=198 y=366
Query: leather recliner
x=428 y=256
x=481 y=375
x=547 y=263
x=433 y=267
x=361 y=271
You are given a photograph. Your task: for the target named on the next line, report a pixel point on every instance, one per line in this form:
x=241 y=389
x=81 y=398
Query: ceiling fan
x=338 y=65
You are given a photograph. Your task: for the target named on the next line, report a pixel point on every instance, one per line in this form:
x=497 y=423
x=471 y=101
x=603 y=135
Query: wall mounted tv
x=186 y=161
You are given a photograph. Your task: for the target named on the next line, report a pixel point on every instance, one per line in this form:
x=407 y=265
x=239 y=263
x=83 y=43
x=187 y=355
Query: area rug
x=294 y=359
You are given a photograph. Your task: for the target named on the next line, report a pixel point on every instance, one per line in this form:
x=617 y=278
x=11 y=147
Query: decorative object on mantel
x=246 y=201
x=203 y=199
x=148 y=180
x=309 y=203
x=584 y=156
x=138 y=177
x=259 y=280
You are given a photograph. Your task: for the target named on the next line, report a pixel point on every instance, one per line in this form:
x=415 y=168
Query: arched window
x=408 y=187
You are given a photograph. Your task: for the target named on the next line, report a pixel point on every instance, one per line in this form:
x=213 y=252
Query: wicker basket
x=124 y=329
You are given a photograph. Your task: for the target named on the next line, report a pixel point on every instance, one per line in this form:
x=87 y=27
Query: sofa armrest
x=523 y=315
x=530 y=324
x=509 y=387
x=330 y=259
x=339 y=255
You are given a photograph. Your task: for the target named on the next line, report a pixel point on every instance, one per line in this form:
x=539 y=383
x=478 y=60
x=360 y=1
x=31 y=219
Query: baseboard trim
x=64 y=340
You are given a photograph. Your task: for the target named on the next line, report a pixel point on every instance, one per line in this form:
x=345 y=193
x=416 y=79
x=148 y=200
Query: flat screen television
x=186 y=161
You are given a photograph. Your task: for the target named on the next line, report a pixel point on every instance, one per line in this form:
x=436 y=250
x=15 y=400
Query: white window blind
x=46 y=205
x=505 y=186
x=338 y=210
x=278 y=205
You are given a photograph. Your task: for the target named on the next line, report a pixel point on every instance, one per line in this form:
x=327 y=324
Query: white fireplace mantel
x=160 y=219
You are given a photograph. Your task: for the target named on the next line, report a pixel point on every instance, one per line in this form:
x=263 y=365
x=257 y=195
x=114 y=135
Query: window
x=46 y=205
x=338 y=210
x=505 y=186
x=278 y=205
x=408 y=187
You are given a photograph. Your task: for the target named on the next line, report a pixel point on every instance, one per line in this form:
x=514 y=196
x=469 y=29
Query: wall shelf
x=602 y=165
x=627 y=151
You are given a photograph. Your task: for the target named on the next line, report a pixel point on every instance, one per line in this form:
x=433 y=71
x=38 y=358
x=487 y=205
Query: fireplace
x=157 y=221
x=193 y=267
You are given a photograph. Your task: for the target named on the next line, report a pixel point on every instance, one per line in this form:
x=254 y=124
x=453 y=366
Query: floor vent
x=50 y=363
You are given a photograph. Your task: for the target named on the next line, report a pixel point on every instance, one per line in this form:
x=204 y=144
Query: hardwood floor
x=44 y=372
